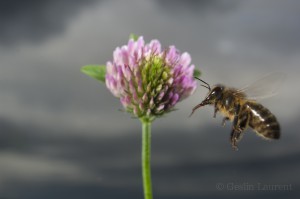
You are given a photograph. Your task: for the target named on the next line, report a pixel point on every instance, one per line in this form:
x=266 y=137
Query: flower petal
x=185 y=59
x=147 y=80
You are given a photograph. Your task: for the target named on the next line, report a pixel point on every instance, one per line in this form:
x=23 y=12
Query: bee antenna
x=206 y=84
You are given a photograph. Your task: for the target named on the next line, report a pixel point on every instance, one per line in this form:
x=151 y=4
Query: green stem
x=146 y=156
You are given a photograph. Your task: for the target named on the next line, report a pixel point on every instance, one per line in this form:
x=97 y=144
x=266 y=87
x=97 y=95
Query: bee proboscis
x=240 y=107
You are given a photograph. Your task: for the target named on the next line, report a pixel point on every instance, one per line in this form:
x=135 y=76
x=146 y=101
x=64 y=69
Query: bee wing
x=264 y=87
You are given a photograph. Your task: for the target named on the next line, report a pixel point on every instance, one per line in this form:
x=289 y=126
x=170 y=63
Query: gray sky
x=62 y=130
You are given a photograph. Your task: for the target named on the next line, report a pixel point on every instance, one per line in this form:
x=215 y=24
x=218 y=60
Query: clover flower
x=148 y=80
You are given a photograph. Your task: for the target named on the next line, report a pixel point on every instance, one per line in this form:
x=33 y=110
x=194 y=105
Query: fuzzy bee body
x=244 y=112
x=226 y=105
x=253 y=114
x=262 y=121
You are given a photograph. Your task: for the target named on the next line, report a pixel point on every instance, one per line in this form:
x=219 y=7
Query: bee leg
x=235 y=132
x=234 y=139
x=224 y=120
x=243 y=121
x=240 y=124
x=215 y=111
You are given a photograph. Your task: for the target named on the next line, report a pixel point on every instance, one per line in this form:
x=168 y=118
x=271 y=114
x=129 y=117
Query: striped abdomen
x=263 y=121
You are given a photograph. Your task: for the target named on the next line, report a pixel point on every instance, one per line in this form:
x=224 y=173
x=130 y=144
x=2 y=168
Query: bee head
x=214 y=94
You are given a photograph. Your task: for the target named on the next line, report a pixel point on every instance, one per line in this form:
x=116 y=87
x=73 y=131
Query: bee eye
x=216 y=92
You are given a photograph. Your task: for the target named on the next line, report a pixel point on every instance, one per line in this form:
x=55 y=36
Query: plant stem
x=146 y=156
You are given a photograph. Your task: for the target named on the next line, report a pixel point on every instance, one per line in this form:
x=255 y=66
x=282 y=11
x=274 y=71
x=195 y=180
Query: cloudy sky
x=62 y=135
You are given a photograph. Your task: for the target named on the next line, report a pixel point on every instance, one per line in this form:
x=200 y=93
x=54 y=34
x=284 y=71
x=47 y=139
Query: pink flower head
x=148 y=80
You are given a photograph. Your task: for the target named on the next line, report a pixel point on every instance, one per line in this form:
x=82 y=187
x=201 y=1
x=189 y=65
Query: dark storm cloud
x=273 y=26
x=58 y=140
x=200 y=7
x=194 y=162
x=34 y=20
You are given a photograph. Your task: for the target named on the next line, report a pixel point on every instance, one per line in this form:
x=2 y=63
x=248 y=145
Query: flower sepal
x=97 y=72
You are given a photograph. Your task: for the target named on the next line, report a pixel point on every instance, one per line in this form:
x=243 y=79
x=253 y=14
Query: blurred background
x=62 y=136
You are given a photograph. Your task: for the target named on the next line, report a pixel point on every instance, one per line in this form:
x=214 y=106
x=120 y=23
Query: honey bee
x=240 y=107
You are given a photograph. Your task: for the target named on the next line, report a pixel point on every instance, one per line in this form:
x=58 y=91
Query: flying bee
x=240 y=107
